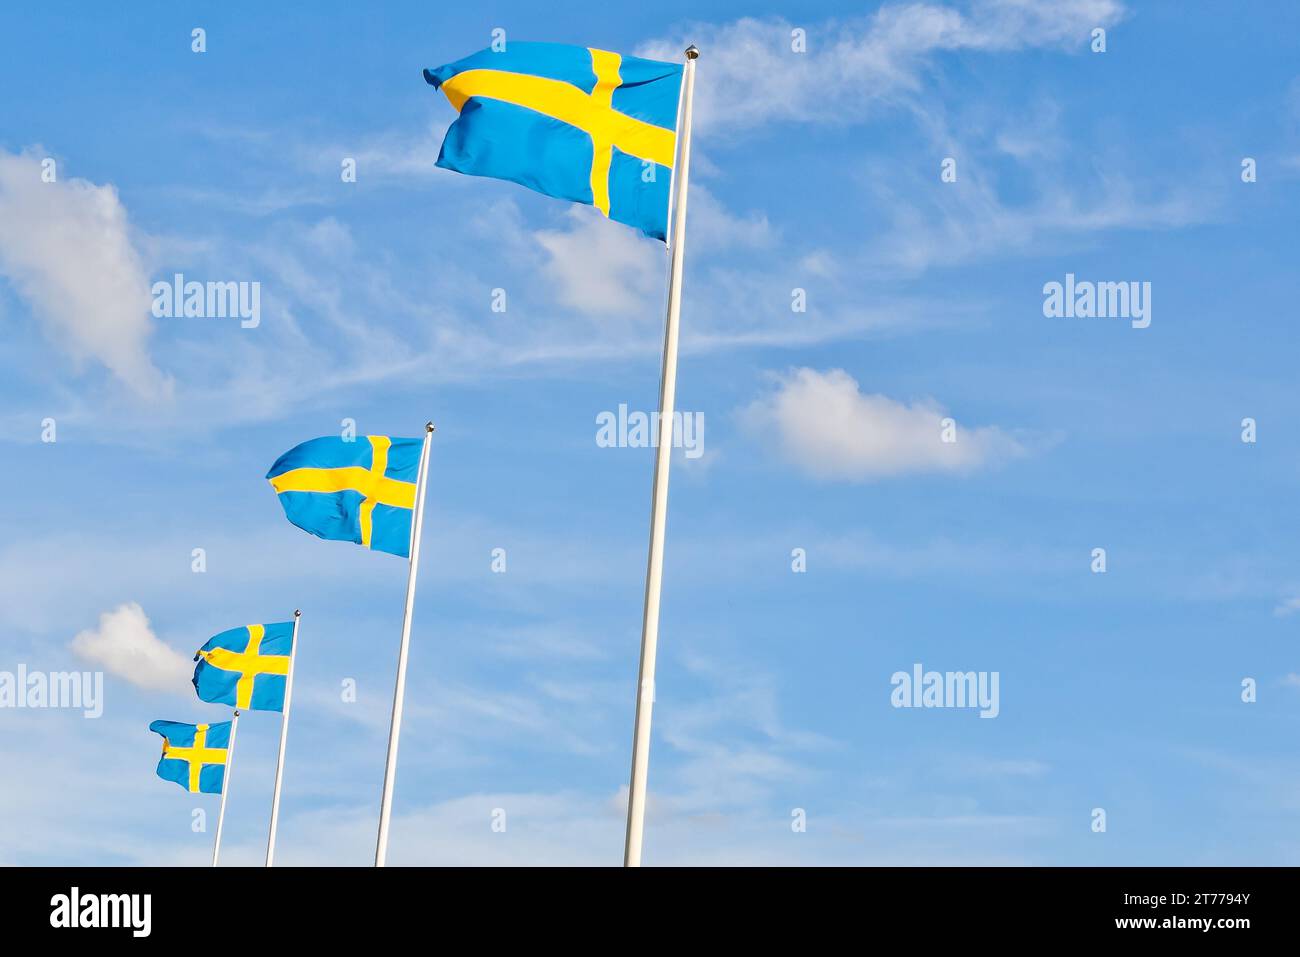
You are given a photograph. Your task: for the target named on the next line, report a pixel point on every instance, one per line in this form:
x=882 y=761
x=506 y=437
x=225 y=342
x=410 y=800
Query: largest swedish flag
x=571 y=122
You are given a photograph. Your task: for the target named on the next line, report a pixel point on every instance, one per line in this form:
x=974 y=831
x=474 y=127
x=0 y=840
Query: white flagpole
x=399 y=692
x=284 y=736
x=225 y=786
x=659 y=503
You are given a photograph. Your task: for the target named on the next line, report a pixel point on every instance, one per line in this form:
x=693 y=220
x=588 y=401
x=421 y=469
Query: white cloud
x=66 y=248
x=392 y=154
x=1291 y=680
x=1287 y=607
x=601 y=267
x=711 y=227
x=126 y=646
x=853 y=69
x=1007 y=767
x=749 y=75
x=827 y=427
x=948 y=227
x=735 y=749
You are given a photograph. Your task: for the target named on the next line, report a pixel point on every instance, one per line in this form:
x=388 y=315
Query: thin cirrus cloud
x=66 y=248
x=754 y=77
x=1287 y=607
x=828 y=428
x=124 y=644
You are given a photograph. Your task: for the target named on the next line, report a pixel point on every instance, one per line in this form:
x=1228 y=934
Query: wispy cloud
x=1287 y=607
x=827 y=427
x=753 y=77
x=734 y=746
x=970 y=220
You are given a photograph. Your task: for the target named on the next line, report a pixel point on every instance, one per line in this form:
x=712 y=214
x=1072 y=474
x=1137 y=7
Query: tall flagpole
x=659 y=503
x=284 y=736
x=399 y=692
x=225 y=786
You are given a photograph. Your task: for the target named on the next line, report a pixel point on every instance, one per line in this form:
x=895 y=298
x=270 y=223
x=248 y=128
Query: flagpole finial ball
x=297 y=613
x=692 y=52
x=428 y=427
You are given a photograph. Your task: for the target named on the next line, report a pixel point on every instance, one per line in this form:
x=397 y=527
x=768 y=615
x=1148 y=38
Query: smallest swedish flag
x=194 y=755
x=359 y=491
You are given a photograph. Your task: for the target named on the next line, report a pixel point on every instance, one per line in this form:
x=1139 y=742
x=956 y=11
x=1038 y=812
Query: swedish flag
x=246 y=667
x=194 y=755
x=571 y=122
x=359 y=491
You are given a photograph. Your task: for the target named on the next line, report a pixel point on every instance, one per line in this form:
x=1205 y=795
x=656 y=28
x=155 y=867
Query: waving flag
x=359 y=491
x=194 y=755
x=246 y=667
x=572 y=122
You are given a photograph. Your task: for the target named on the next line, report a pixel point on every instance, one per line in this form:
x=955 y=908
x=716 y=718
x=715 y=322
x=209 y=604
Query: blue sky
x=817 y=171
